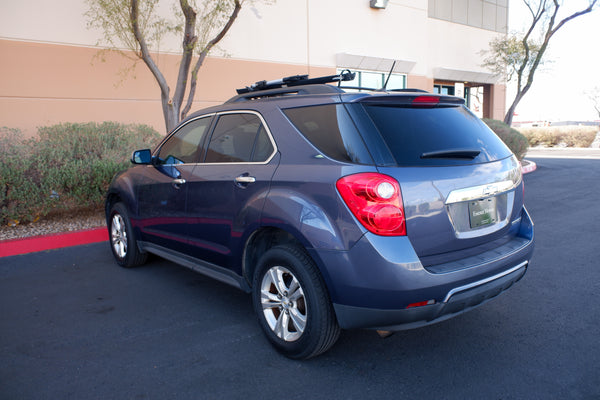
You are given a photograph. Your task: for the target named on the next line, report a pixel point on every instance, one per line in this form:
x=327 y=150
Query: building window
x=443 y=89
x=374 y=80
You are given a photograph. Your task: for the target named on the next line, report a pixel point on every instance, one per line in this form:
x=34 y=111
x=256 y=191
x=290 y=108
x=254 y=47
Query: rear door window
x=446 y=135
x=239 y=137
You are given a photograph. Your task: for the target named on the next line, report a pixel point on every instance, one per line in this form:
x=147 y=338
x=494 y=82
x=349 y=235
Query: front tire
x=292 y=303
x=122 y=238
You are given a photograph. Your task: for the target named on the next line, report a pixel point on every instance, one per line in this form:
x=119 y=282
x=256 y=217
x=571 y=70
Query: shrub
x=18 y=190
x=515 y=141
x=570 y=136
x=68 y=166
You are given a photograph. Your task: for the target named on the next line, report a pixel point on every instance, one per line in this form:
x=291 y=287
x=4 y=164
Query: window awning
x=456 y=75
x=353 y=61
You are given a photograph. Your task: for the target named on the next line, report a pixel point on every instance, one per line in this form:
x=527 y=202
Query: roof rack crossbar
x=279 y=92
x=383 y=90
x=296 y=80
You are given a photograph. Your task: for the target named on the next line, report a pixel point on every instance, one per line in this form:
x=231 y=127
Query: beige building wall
x=50 y=71
x=44 y=84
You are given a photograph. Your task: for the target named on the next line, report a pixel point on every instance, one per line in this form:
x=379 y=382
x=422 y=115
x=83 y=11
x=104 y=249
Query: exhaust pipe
x=385 y=334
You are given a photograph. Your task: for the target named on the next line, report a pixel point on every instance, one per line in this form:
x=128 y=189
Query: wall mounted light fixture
x=379 y=3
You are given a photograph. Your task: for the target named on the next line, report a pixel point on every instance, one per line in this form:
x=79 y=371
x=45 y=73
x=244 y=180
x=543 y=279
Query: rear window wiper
x=452 y=153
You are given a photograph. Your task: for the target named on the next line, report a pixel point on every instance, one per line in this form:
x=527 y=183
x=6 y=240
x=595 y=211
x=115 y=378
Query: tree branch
x=574 y=15
x=550 y=30
x=144 y=52
x=204 y=53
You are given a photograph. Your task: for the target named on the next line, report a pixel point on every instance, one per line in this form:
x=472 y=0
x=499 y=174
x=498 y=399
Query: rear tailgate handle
x=244 y=179
x=177 y=183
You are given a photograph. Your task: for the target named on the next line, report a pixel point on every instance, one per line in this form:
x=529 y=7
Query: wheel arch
x=268 y=237
x=259 y=242
x=121 y=190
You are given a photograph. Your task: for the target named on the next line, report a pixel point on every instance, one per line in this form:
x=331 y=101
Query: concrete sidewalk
x=563 y=152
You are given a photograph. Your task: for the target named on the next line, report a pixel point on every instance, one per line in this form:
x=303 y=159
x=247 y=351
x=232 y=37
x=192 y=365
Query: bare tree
x=518 y=57
x=594 y=96
x=134 y=25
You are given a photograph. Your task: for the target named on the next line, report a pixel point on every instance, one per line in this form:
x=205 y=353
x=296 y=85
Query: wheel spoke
x=298 y=319
x=294 y=285
x=281 y=327
x=117 y=223
x=269 y=300
x=276 y=276
x=296 y=293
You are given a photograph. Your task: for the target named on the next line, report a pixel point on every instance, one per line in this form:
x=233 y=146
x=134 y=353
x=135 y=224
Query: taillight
x=376 y=201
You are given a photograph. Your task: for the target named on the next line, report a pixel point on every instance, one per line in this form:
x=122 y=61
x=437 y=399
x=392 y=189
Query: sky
x=558 y=91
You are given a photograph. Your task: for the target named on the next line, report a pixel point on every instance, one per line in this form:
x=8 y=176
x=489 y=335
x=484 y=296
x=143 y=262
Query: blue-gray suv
x=335 y=210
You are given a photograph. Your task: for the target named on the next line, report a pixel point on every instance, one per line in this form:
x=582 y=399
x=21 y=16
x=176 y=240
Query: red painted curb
x=13 y=247
x=528 y=166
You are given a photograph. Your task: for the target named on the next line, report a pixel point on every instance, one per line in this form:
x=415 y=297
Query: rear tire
x=122 y=238
x=292 y=303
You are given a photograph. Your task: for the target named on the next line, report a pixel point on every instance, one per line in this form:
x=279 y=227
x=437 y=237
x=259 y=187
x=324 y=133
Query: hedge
x=66 y=167
x=515 y=141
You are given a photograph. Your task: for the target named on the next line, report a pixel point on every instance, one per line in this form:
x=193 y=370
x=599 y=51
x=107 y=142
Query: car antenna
x=389 y=75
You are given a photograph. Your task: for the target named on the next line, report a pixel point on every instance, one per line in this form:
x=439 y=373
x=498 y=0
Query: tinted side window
x=330 y=129
x=185 y=145
x=263 y=148
x=412 y=132
x=239 y=138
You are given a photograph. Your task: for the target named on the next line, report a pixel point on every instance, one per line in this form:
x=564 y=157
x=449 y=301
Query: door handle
x=245 y=179
x=177 y=183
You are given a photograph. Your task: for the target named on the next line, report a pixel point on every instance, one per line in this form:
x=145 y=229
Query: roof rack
x=406 y=90
x=297 y=80
x=285 y=91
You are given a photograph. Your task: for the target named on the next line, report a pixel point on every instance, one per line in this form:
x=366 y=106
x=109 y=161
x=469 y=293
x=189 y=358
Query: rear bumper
x=457 y=301
x=374 y=284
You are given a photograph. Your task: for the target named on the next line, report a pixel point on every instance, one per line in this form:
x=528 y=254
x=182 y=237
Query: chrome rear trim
x=480 y=192
x=483 y=281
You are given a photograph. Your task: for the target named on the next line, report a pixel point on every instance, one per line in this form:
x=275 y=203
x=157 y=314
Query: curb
x=13 y=247
x=528 y=166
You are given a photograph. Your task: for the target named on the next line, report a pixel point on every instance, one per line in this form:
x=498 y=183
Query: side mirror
x=141 y=157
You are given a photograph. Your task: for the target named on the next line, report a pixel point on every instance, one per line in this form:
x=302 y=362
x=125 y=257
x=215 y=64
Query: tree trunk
x=511 y=110
x=170 y=114
x=204 y=53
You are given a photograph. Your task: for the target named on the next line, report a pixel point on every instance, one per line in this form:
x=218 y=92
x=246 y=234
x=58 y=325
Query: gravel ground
x=55 y=224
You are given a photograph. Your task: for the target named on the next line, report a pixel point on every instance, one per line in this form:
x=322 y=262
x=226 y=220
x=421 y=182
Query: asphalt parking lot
x=73 y=325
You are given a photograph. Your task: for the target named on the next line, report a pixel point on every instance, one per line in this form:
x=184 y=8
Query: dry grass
x=571 y=136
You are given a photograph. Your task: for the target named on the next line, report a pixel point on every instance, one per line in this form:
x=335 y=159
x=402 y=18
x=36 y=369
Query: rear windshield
x=449 y=135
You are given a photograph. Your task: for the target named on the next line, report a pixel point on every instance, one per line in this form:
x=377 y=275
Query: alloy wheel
x=118 y=235
x=283 y=303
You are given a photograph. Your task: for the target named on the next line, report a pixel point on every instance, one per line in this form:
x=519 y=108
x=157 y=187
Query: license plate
x=482 y=212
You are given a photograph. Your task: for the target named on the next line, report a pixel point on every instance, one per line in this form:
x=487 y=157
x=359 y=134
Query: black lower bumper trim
x=464 y=299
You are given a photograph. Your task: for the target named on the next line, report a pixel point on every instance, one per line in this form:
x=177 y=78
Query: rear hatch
x=461 y=186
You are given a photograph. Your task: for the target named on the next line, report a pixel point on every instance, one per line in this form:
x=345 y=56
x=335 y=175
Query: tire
x=292 y=303
x=122 y=238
